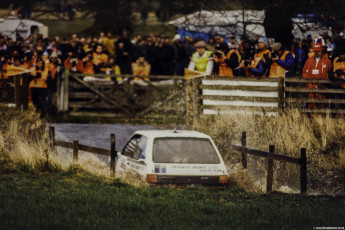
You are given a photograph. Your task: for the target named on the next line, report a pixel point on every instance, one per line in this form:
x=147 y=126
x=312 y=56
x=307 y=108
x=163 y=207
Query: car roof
x=171 y=133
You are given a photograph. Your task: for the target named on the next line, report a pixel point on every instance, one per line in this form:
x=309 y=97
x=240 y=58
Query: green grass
x=74 y=199
x=65 y=29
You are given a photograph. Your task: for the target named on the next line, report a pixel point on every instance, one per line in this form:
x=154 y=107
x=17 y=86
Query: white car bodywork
x=173 y=157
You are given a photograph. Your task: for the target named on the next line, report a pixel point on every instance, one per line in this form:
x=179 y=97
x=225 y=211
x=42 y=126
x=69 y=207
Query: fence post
x=66 y=93
x=270 y=170
x=280 y=94
x=75 y=151
x=244 y=144
x=17 y=92
x=189 y=102
x=25 y=91
x=196 y=98
x=112 y=154
x=58 y=92
x=303 y=171
x=52 y=137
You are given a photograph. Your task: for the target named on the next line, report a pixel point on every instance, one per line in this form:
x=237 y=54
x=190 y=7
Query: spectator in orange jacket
x=74 y=64
x=141 y=68
x=38 y=87
x=99 y=58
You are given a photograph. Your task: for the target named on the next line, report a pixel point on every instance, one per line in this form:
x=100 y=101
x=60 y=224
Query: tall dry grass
x=24 y=146
x=323 y=137
x=23 y=143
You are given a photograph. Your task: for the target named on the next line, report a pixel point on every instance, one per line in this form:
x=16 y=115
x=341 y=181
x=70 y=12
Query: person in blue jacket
x=300 y=57
x=256 y=67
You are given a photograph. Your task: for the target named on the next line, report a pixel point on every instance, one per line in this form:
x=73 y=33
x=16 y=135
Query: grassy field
x=38 y=192
x=74 y=199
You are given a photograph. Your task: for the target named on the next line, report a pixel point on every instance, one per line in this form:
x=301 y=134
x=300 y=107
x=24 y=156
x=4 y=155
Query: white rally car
x=171 y=157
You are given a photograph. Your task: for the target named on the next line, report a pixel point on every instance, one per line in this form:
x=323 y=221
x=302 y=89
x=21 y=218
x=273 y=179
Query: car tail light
x=223 y=179
x=151 y=178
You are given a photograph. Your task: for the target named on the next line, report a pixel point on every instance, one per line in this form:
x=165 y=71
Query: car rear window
x=184 y=150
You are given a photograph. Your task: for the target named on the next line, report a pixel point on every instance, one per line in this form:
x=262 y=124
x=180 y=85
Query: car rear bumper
x=207 y=181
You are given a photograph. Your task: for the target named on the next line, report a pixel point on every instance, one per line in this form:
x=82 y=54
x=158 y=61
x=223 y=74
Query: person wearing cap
x=317 y=66
x=202 y=59
x=226 y=59
x=330 y=53
x=54 y=64
x=257 y=66
x=281 y=61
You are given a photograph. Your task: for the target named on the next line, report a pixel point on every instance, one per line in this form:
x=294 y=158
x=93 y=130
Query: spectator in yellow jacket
x=109 y=44
x=141 y=68
x=99 y=58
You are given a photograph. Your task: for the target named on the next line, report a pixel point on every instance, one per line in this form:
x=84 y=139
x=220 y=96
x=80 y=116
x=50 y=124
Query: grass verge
x=74 y=199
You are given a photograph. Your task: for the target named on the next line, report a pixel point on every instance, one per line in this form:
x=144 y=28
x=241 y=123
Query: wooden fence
x=296 y=95
x=271 y=156
x=76 y=147
x=225 y=95
x=14 y=90
x=116 y=97
x=237 y=95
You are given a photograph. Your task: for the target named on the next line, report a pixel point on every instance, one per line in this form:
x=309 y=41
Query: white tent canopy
x=301 y=28
x=225 y=23
x=230 y=23
x=15 y=27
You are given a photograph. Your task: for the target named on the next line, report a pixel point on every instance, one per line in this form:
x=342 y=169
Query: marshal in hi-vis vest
x=224 y=69
x=277 y=70
x=40 y=82
x=257 y=58
x=201 y=62
x=339 y=66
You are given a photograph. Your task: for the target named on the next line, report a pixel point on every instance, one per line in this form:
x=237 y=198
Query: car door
x=132 y=157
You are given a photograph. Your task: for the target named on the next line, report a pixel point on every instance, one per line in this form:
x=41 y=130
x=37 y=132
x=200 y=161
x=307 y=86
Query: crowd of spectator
x=167 y=56
x=159 y=55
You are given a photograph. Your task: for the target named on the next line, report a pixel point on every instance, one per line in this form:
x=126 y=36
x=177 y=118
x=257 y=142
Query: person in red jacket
x=317 y=66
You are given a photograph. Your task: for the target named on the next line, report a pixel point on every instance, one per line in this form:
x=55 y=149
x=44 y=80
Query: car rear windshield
x=184 y=150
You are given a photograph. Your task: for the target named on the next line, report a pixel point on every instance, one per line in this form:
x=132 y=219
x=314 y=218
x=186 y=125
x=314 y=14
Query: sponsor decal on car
x=164 y=169
x=160 y=169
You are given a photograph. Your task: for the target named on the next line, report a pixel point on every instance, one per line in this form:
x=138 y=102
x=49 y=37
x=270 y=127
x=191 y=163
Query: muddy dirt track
x=97 y=135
